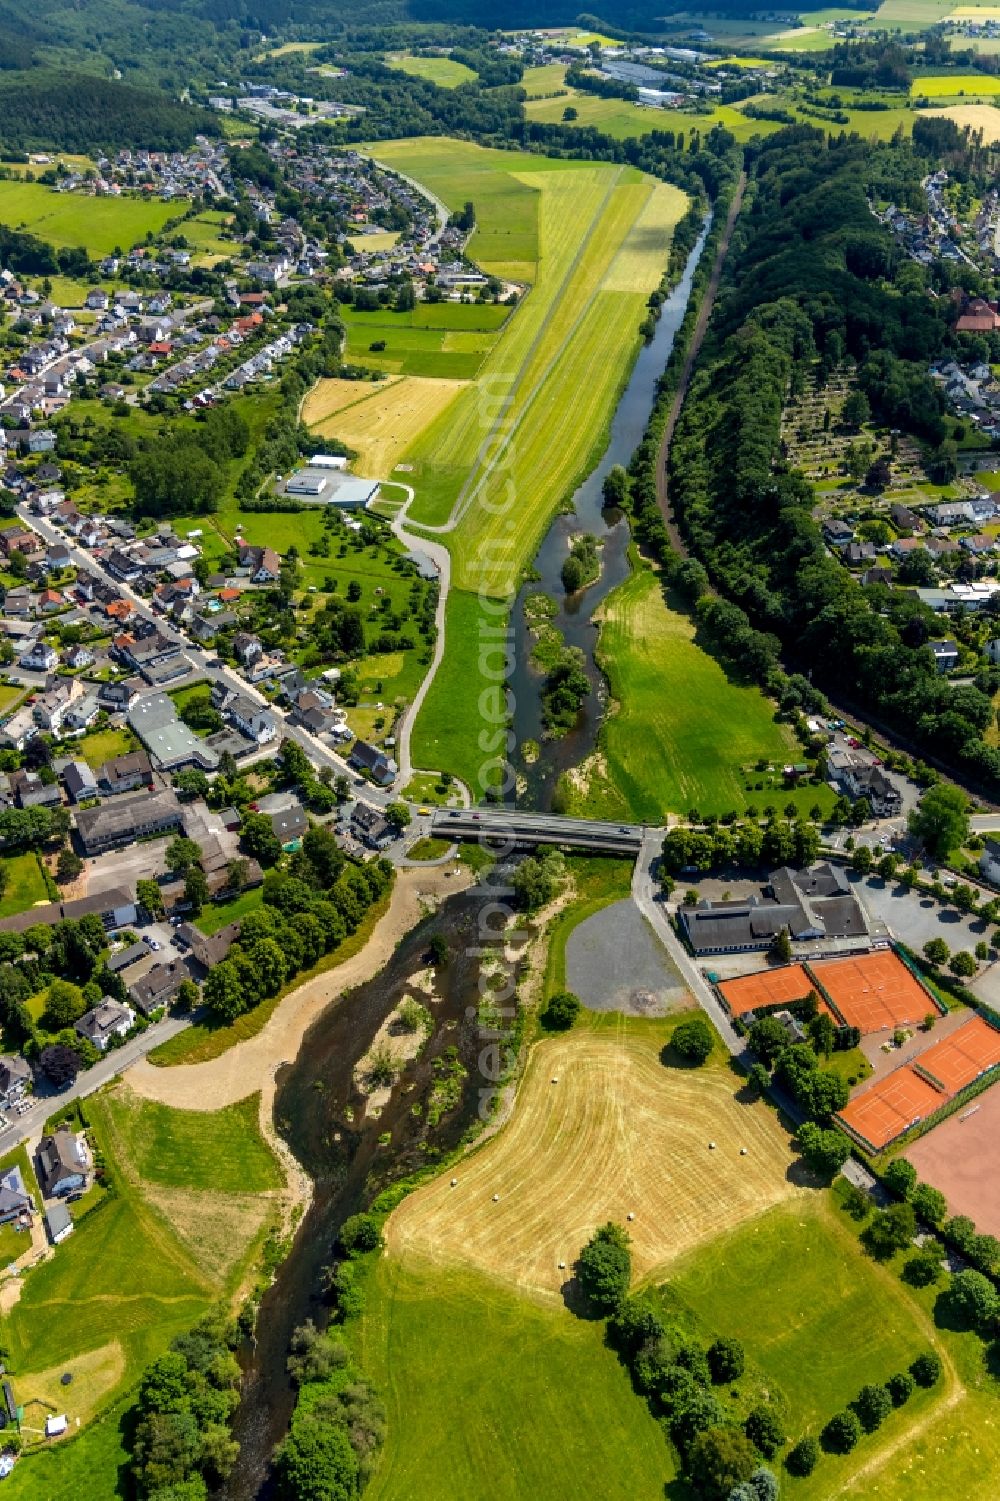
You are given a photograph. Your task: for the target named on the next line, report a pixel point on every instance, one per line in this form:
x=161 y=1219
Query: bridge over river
x=528 y=830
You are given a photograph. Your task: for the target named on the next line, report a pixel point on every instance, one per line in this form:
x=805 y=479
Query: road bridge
x=528 y=830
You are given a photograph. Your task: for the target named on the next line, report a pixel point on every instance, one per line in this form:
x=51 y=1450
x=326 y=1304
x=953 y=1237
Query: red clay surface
x=769 y=987
x=959 y=1059
x=874 y=992
x=959 y=1157
x=891 y=1106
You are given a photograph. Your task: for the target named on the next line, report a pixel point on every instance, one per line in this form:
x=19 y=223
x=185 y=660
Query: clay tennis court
x=959 y=1059
x=879 y=1114
x=770 y=987
x=874 y=992
x=959 y=1158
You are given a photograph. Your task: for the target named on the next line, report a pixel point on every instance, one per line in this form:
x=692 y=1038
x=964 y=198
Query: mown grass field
x=25 y=884
x=984 y=117
x=82 y=1468
x=98 y=224
x=679 y=732
x=548 y=1411
x=103 y=745
x=443 y=71
x=622 y=1132
x=819 y=1320
x=429 y=341
x=211 y=919
x=193 y=1194
x=380 y=422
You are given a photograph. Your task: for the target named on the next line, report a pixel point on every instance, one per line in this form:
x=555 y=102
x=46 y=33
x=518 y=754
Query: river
x=318 y=1109
x=575 y=618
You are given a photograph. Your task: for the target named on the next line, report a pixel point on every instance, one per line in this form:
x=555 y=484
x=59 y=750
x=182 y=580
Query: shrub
x=900 y=1176
x=693 y=1040
x=924 y=1268
x=720 y=1459
x=764 y=1431
x=726 y=1360
x=561 y=1012
x=872 y=1406
x=841 y=1433
x=900 y=1388
x=926 y=1369
x=360 y=1233
x=803 y=1458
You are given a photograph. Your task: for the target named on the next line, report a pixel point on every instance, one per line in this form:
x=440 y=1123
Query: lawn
x=547 y=1411
x=153 y=1258
x=99 y=746
x=428 y=849
x=211 y=919
x=680 y=730
x=98 y=224
x=203 y=1040
x=443 y=71
x=25 y=884
x=176 y=1148
x=203 y=234
x=10 y=694
x=82 y=1468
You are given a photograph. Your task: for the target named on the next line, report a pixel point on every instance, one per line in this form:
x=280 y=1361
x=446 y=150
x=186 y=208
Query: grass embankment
x=188 y=1198
x=204 y=1040
x=681 y=734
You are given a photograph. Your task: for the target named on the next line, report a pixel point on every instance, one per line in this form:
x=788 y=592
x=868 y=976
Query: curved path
x=697 y=338
x=441 y=558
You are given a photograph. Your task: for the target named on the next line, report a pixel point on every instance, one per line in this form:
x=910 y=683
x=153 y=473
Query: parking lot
x=914 y=918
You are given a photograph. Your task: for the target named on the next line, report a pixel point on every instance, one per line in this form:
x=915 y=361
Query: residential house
x=15 y=1201
x=30 y=791
x=247 y=647
x=51 y=706
x=18 y=603
x=19 y=728
x=289 y=822
x=857 y=774
x=97 y=299
x=42 y=441
x=373 y=762
x=79 y=781
x=906 y=519
x=118 y=698
x=979 y=545
x=251 y=720
x=369 y=825
x=40 y=657
x=160 y=985
x=49 y=601
x=263 y=563
x=81 y=714
x=989 y=862
x=125 y=773
x=119 y=823
x=62 y=1162
x=102 y=1023
x=838 y=533
x=945 y=655
x=16 y=1079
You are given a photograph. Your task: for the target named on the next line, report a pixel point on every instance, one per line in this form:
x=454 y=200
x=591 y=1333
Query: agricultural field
x=203 y=234
x=984 y=117
x=948 y=85
x=831 y=1320
x=380 y=422
x=910 y=15
x=442 y=1340
x=537 y=82
x=680 y=732
x=443 y=71
x=98 y=224
x=24 y=886
x=621 y=1132
x=622 y=119
x=191 y=1197
x=445 y=340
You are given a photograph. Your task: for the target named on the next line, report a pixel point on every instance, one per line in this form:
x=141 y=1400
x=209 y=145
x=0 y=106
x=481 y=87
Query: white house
x=110 y=1019
x=40 y=657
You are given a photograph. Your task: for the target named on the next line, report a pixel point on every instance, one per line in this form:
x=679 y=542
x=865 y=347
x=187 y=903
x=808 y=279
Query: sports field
x=549 y=1412
x=984 y=117
x=874 y=992
x=959 y=1158
x=620 y=1133
x=379 y=421
x=443 y=71
x=448 y=340
x=771 y=987
x=194 y=1194
x=98 y=224
x=879 y=1114
x=679 y=731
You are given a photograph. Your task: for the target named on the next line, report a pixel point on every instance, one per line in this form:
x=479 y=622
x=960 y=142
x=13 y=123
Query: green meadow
x=25 y=884
x=549 y=1412
x=98 y=224
x=443 y=71
x=448 y=340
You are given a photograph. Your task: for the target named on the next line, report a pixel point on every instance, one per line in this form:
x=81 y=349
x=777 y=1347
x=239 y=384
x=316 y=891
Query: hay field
x=950 y=85
x=379 y=421
x=620 y=1133
x=984 y=117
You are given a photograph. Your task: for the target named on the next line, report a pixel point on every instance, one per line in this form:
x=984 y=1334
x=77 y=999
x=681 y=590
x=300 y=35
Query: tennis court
x=874 y=992
x=958 y=1060
x=769 y=987
x=879 y=1114
x=959 y=1158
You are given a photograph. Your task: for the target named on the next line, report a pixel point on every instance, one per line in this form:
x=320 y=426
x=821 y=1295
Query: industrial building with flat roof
x=330 y=486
